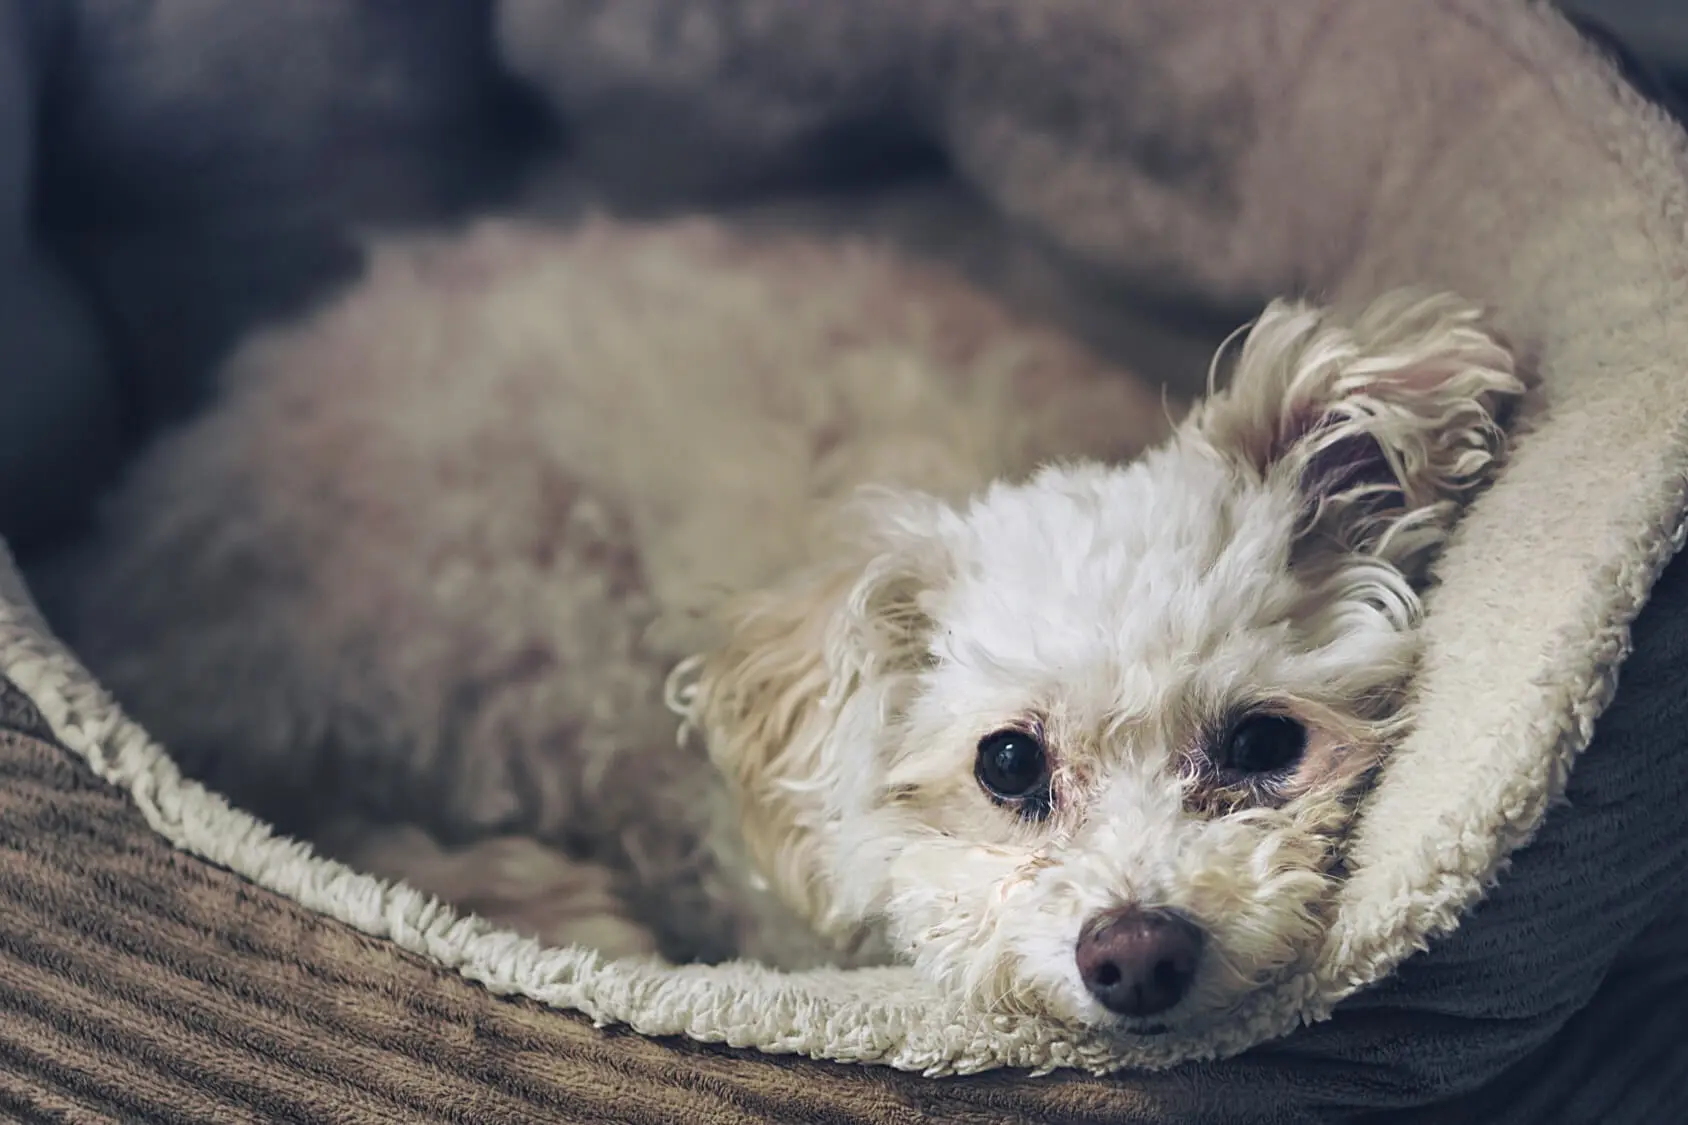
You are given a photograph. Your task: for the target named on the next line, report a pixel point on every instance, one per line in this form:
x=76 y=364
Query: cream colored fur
x=426 y=576
x=1263 y=561
x=432 y=557
x=1342 y=147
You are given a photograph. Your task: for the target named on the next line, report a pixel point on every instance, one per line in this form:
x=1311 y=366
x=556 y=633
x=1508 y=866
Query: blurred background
x=175 y=173
x=1653 y=34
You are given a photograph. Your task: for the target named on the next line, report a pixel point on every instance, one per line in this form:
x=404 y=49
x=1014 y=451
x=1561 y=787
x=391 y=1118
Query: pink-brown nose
x=1138 y=962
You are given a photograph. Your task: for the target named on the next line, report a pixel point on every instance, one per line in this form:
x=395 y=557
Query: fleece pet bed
x=1507 y=915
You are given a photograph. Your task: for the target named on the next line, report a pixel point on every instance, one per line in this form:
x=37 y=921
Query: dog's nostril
x=1138 y=962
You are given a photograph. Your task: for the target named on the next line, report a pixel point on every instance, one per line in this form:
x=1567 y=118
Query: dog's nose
x=1138 y=962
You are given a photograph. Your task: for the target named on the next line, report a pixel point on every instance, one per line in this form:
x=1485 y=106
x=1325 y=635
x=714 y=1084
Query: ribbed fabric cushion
x=1229 y=151
x=139 y=983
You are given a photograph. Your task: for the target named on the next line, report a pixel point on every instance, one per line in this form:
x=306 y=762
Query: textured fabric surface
x=1459 y=142
x=138 y=983
x=1474 y=145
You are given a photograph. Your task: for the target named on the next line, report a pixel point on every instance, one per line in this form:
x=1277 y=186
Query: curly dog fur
x=1073 y=730
x=428 y=562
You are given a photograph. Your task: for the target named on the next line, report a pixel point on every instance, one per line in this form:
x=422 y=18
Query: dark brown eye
x=1013 y=768
x=1261 y=743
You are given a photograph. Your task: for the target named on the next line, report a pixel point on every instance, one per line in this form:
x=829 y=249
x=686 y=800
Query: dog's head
x=1087 y=745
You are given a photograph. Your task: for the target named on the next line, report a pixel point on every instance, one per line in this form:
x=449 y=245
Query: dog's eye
x=1261 y=743
x=1012 y=766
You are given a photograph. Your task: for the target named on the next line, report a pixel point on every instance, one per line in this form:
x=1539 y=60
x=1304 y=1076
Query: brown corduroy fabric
x=140 y=984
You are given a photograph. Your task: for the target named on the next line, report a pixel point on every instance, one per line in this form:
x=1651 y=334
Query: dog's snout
x=1138 y=962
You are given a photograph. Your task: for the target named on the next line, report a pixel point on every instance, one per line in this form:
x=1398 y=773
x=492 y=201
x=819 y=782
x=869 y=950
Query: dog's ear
x=794 y=702
x=1384 y=423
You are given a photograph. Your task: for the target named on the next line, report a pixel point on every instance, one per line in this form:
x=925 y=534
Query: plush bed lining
x=878 y=1016
x=1532 y=622
x=1526 y=633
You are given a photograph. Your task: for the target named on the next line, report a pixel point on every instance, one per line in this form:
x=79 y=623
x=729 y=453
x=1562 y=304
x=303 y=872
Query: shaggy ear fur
x=1383 y=423
x=794 y=703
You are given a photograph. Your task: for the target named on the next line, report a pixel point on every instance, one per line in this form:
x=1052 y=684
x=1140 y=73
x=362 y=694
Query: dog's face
x=1087 y=746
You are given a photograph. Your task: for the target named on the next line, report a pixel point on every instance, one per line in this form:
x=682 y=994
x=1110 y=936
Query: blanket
x=138 y=982
x=1518 y=882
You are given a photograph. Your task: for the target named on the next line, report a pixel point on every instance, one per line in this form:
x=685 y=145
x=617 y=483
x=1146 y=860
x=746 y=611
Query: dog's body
x=433 y=555
x=1080 y=740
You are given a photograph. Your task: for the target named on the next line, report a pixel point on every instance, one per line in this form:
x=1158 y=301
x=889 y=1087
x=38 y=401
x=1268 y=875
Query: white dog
x=1080 y=739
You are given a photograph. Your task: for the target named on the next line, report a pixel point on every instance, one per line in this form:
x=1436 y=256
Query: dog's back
x=431 y=556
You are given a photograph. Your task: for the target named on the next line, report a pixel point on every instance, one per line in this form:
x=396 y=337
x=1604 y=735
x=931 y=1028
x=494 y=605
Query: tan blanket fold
x=1230 y=151
x=1241 y=150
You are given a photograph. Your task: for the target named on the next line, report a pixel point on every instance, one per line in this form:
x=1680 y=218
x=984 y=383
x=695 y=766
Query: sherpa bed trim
x=1470 y=144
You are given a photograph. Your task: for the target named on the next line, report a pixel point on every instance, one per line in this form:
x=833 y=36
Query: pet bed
x=1222 y=152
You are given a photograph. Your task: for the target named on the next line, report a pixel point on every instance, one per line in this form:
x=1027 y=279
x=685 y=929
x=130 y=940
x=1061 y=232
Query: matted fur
x=1474 y=143
x=1265 y=559
x=433 y=555
x=433 y=572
